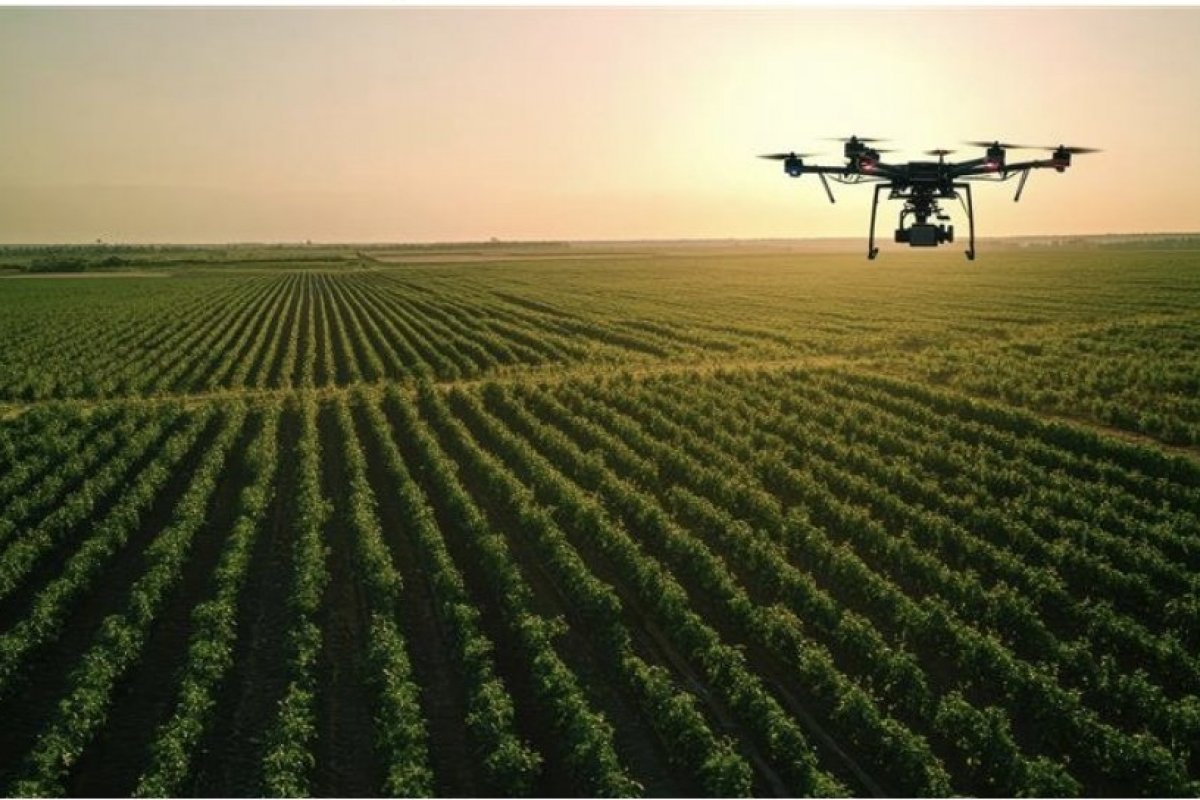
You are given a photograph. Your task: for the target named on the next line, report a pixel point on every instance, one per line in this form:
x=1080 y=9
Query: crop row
x=214 y=623
x=783 y=582
x=314 y=329
x=56 y=600
x=1176 y=731
x=122 y=635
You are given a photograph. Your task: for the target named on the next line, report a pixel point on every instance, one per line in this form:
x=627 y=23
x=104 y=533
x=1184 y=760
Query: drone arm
x=1039 y=164
x=845 y=174
x=982 y=169
x=972 y=168
x=817 y=169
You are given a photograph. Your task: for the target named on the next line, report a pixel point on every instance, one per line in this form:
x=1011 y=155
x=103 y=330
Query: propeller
x=1005 y=145
x=1073 y=150
x=939 y=152
x=863 y=139
x=784 y=156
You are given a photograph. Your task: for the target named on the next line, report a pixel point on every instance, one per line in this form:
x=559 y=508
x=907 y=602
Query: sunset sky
x=409 y=124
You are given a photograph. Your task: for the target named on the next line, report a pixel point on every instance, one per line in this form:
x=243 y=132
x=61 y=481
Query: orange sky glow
x=439 y=124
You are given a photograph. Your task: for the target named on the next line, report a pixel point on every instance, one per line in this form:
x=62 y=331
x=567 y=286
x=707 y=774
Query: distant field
x=659 y=520
x=85 y=275
x=1106 y=336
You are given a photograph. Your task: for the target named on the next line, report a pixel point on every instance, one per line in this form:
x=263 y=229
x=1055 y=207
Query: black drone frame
x=921 y=184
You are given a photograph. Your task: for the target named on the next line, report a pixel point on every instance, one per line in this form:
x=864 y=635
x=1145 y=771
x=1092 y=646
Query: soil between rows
x=442 y=694
x=638 y=746
x=655 y=648
x=229 y=757
x=347 y=762
x=531 y=719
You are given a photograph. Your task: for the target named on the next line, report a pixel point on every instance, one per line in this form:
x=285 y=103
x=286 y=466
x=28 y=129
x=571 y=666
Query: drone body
x=922 y=184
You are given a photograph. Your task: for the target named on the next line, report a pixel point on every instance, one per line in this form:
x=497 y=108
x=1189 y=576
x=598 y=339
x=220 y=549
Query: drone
x=921 y=184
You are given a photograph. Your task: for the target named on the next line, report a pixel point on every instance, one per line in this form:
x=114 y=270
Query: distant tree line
x=69 y=263
x=1180 y=242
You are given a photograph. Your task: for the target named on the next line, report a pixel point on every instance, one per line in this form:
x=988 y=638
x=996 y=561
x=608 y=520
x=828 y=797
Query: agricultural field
x=611 y=520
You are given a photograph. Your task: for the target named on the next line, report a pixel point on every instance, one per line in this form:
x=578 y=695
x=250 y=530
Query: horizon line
x=499 y=241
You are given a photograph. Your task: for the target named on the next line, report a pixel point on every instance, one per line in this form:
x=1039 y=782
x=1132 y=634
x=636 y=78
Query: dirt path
x=537 y=374
x=559 y=373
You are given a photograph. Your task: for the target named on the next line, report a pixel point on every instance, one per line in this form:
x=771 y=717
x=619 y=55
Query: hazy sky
x=395 y=124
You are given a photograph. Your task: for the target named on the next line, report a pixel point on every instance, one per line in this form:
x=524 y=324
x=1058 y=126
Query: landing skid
x=873 y=251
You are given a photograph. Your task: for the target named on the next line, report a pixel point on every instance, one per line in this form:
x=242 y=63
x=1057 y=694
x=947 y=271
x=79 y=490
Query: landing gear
x=970 y=219
x=921 y=203
x=872 y=250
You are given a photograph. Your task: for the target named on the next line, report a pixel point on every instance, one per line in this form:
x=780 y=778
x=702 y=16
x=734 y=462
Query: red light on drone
x=866 y=164
x=992 y=166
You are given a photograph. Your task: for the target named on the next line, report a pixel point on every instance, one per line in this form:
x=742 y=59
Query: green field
x=601 y=520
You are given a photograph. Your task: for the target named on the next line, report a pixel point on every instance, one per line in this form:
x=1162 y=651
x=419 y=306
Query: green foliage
x=765 y=522
x=1105 y=336
x=121 y=637
x=288 y=761
x=210 y=650
x=56 y=264
x=510 y=764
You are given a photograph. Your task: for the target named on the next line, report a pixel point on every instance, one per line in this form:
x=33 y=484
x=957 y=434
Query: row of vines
x=311 y=329
x=1110 y=340
x=776 y=582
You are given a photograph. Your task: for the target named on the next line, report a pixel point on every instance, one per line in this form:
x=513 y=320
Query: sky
x=445 y=124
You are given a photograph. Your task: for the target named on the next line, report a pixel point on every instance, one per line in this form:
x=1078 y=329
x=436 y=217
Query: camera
x=925 y=235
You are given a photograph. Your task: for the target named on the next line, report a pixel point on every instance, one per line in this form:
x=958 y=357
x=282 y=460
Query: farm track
x=554 y=374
